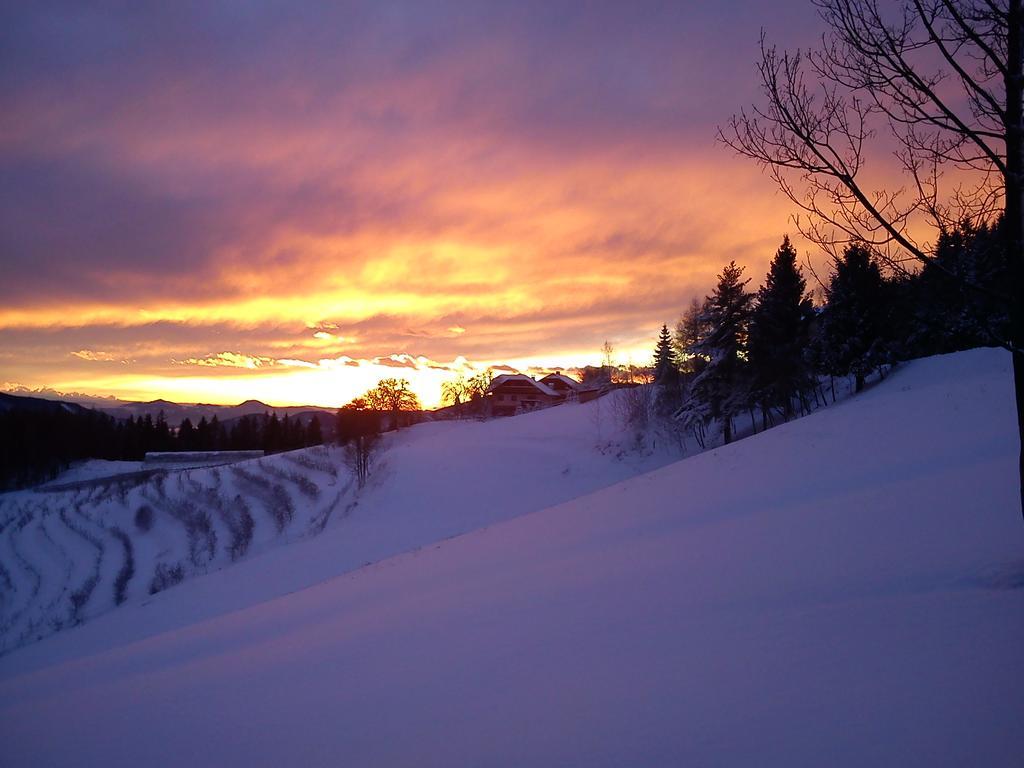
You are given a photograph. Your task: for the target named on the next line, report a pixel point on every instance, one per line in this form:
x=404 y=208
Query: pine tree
x=287 y=433
x=186 y=435
x=314 y=434
x=690 y=331
x=218 y=440
x=162 y=434
x=854 y=336
x=272 y=434
x=953 y=298
x=666 y=373
x=779 y=336
x=664 y=365
x=202 y=439
x=722 y=384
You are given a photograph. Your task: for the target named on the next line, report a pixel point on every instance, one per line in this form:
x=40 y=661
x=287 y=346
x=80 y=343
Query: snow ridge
x=67 y=557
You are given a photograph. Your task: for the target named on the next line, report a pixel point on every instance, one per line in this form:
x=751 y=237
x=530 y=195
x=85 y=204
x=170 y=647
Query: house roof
x=563 y=378
x=506 y=378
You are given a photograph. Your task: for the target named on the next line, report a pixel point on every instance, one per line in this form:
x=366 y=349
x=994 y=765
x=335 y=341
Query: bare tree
x=478 y=386
x=358 y=428
x=392 y=396
x=943 y=78
x=359 y=453
x=608 y=360
x=460 y=390
x=455 y=391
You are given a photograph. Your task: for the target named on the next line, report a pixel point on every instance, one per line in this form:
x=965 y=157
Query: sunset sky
x=214 y=201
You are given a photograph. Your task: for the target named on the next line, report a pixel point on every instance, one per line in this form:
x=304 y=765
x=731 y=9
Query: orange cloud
x=335 y=209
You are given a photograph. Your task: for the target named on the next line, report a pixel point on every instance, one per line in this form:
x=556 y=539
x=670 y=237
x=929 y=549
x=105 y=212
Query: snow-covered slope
x=847 y=589
x=68 y=557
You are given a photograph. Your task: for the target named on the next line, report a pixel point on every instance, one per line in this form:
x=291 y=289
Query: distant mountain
x=38 y=404
x=174 y=413
x=47 y=393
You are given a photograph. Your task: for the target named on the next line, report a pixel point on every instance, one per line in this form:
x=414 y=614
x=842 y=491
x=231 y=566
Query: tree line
x=768 y=354
x=944 y=79
x=39 y=443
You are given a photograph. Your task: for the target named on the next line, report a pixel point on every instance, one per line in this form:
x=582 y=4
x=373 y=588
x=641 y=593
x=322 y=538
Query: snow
x=94 y=469
x=571 y=382
x=846 y=589
x=507 y=377
x=432 y=481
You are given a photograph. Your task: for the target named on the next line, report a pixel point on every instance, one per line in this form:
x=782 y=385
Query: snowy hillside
x=68 y=557
x=843 y=590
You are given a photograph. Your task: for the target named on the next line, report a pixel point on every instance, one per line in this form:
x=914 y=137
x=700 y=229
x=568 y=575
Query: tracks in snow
x=67 y=557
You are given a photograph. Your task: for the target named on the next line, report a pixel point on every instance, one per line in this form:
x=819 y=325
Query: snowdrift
x=67 y=557
x=843 y=590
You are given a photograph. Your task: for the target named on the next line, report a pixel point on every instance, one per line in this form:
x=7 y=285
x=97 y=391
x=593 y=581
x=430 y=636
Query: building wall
x=510 y=397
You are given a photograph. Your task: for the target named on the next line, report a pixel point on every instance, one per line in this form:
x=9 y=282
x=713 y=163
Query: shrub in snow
x=144 y=518
x=127 y=567
x=165 y=577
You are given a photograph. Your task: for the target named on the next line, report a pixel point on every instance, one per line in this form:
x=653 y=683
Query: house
x=562 y=384
x=511 y=393
x=572 y=390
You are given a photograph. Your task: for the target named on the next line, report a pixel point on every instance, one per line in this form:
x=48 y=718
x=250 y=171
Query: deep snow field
x=67 y=557
x=845 y=589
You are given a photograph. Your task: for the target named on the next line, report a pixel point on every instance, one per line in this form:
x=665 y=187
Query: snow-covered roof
x=571 y=382
x=505 y=378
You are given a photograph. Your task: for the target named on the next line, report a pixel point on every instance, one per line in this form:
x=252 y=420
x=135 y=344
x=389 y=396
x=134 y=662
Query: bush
x=166 y=576
x=127 y=568
x=144 y=518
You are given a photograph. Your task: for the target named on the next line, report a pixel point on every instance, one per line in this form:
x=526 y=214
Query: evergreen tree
x=314 y=435
x=218 y=438
x=665 y=371
x=722 y=385
x=690 y=332
x=953 y=297
x=666 y=374
x=147 y=434
x=186 y=435
x=272 y=434
x=779 y=336
x=854 y=333
x=203 y=441
x=162 y=434
x=287 y=433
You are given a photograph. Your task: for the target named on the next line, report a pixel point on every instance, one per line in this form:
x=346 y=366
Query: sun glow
x=227 y=246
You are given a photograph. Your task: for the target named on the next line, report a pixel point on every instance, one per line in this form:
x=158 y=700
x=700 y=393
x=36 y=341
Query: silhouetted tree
x=162 y=440
x=392 y=396
x=186 y=435
x=854 y=320
x=358 y=429
x=690 y=332
x=272 y=434
x=945 y=313
x=218 y=439
x=946 y=79
x=779 y=336
x=722 y=385
x=203 y=441
x=666 y=374
x=314 y=434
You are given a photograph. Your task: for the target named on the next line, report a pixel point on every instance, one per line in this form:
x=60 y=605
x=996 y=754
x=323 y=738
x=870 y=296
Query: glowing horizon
x=216 y=207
